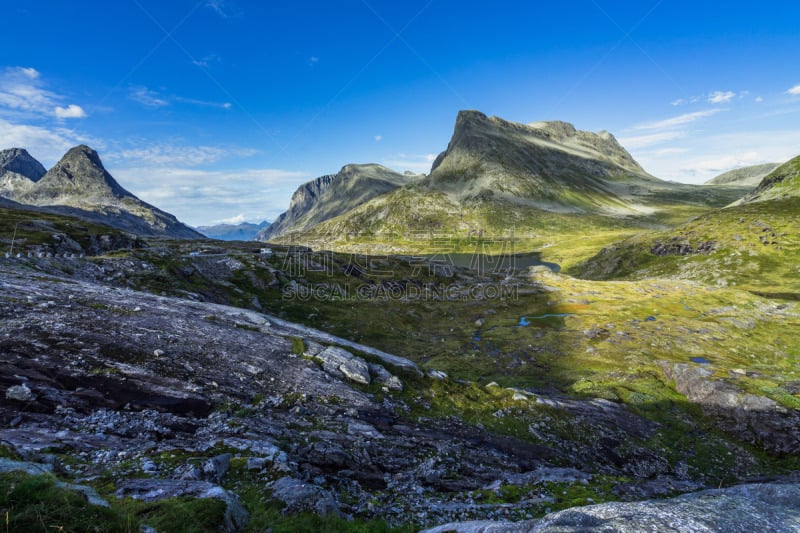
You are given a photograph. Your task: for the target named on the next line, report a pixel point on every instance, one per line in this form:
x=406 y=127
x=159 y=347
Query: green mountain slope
x=754 y=244
x=745 y=176
x=781 y=183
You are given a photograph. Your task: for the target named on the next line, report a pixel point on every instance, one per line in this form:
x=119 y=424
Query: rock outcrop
x=756 y=507
x=495 y=175
x=756 y=419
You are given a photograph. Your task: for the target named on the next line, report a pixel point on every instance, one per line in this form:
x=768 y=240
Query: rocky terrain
x=329 y=196
x=79 y=185
x=146 y=398
x=123 y=382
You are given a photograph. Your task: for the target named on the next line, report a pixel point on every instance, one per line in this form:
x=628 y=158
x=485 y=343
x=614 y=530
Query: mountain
x=745 y=176
x=18 y=172
x=546 y=180
x=548 y=165
x=79 y=185
x=329 y=196
x=245 y=231
x=781 y=183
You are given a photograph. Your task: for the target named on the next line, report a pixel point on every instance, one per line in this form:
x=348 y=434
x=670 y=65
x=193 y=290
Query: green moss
x=184 y=515
x=8 y=453
x=298 y=346
x=35 y=503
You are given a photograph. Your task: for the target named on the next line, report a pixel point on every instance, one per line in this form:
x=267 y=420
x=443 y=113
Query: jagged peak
x=82 y=151
x=19 y=161
x=476 y=132
x=557 y=128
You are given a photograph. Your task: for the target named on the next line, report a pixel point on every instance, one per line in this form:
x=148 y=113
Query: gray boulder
x=339 y=362
x=302 y=496
x=216 y=467
x=382 y=376
x=21 y=393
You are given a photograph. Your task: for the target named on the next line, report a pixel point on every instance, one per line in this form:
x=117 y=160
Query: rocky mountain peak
x=19 y=161
x=477 y=136
x=79 y=172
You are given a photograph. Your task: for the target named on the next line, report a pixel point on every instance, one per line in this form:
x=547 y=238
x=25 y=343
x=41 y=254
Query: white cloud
x=641 y=141
x=178 y=155
x=153 y=99
x=238 y=219
x=71 y=111
x=720 y=97
x=680 y=120
x=206 y=61
x=47 y=145
x=679 y=102
x=416 y=163
x=203 y=103
x=379 y=138
x=709 y=155
x=23 y=95
x=721 y=163
x=30 y=72
x=759 y=99
x=199 y=197
x=146 y=97
x=794 y=90
x=313 y=60
x=21 y=90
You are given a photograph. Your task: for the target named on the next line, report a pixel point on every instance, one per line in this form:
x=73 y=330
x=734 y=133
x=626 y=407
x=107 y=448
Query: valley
x=537 y=325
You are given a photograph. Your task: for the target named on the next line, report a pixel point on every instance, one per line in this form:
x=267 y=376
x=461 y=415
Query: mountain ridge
x=331 y=195
x=496 y=175
x=79 y=185
x=750 y=175
x=245 y=231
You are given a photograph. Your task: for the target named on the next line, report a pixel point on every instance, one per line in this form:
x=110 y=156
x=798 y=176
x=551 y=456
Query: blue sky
x=217 y=109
